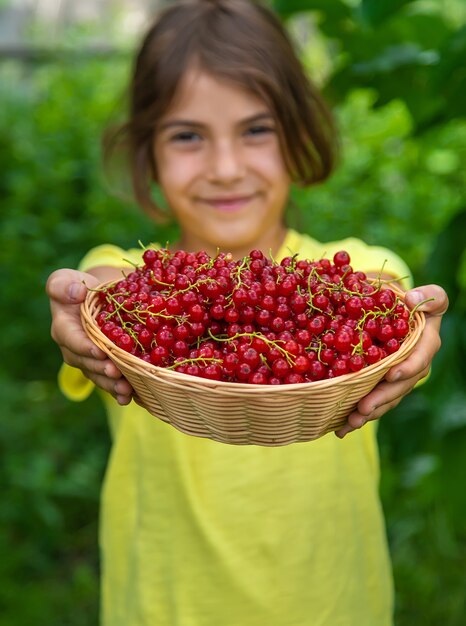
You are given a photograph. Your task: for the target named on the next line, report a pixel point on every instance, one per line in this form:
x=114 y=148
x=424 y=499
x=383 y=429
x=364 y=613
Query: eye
x=259 y=130
x=259 y=134
x=185 y=137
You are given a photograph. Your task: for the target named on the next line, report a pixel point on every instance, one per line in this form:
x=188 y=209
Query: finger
x=123 y=391
x=69 y=286
x=66 y=291
x=383 y=395
x=400 y=380
x=357 y=420
x=91 y=366
x=419 y=361
x=434 y=299
x=120 y=389
x=382 y=399
x=67 y=331
x=123 y=400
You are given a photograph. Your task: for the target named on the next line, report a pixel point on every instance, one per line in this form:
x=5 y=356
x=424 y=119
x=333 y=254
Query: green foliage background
x=394 y=71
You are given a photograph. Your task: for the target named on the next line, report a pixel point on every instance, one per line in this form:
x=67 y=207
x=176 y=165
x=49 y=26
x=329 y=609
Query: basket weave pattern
x=237 y=413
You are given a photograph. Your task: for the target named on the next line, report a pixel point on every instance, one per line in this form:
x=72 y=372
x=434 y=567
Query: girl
x=193 y=532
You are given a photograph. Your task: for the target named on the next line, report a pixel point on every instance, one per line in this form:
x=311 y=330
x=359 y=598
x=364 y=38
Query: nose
x=226 y=162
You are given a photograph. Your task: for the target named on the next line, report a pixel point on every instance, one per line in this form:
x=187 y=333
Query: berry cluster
x=254 y=320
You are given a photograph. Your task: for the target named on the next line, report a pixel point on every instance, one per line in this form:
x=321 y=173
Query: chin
x=230 y=244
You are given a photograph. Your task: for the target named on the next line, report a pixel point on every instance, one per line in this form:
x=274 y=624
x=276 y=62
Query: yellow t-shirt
x=199 y=533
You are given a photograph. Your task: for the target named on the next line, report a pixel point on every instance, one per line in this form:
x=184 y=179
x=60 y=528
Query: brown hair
x=238 y=40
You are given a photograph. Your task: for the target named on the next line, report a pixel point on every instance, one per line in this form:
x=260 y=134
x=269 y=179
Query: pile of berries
x=253 y=320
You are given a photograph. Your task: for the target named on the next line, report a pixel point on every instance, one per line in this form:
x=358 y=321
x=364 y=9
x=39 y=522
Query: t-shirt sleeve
x=376 y=259
x=364 y=257
x=71 y=381
x=111 y=256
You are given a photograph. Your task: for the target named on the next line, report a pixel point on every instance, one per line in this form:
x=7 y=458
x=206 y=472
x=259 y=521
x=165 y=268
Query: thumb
x=431 y=299
x=69 y=286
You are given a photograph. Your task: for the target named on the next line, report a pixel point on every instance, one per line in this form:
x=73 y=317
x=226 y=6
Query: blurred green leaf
x=445 y=263
x=401 y=49
x=376 y=11
x=449 y=78
x=333 y=10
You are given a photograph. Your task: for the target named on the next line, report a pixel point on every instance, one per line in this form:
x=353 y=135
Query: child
x=194 y=532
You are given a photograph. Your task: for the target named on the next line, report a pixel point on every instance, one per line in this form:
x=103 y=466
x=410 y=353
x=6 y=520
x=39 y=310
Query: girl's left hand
x=401 y=378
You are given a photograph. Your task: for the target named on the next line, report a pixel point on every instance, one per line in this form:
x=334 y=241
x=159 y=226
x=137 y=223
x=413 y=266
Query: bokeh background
x=395 y=72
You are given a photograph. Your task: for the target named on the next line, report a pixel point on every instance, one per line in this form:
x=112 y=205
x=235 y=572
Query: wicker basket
x=237 y=413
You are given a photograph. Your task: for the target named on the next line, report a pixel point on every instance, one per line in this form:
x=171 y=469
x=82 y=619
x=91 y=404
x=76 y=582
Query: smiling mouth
x=228 y=203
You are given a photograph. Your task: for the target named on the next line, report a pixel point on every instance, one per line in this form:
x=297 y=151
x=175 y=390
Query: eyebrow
x=257 y=117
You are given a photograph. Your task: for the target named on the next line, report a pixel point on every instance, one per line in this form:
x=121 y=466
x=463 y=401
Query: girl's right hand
x=67 y=290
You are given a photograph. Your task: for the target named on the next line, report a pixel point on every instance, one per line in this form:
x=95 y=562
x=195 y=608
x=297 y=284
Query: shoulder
x=364 y=257
x=113 y=256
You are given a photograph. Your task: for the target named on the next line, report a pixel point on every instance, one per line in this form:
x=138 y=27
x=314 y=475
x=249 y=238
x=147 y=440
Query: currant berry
x=293 y=378
x=212 y=371
x=301 y=364
x=356 y=362
x=400 y=328
x=340 y=367
x=373 y=354
x=327 y=356
x=341 y=258
x=392 y=345
x=251 y=357
x=159 y=355
x=353 y=307
x=343 y=340
x=230 y=363
x=385 y=332
x=317 y=371
x=145 y=337
x=280 y=367
x=126 y=342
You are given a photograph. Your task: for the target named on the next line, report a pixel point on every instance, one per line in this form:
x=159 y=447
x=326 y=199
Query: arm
x=66 y=289
x=401 y=379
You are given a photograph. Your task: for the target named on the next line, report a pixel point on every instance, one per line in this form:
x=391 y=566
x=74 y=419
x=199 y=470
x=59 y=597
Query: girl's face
x=221 y=168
